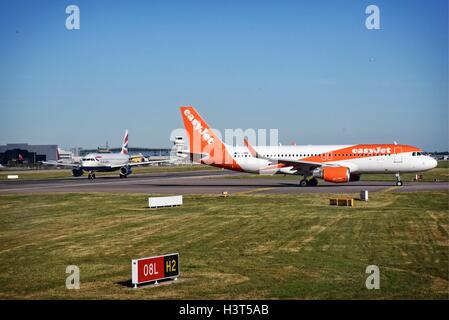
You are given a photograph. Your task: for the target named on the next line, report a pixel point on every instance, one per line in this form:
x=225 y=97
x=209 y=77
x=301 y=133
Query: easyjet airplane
x=332 y=163
x=105 y=162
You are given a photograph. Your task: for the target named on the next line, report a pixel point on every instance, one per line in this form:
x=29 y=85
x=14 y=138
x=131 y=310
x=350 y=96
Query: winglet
x=250 y=148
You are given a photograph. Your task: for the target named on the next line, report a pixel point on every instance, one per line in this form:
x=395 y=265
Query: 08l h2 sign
x=155 y=268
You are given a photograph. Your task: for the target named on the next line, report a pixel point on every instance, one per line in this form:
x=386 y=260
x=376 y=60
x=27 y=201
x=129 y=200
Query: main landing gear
x=123 y=176
x=91 y=175
x=308 y=182
x=398 y=180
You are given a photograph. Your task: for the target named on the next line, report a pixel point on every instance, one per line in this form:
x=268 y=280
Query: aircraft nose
x=432 y=163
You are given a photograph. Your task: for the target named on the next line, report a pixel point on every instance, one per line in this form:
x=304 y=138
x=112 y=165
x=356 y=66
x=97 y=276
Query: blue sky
x=309 y=68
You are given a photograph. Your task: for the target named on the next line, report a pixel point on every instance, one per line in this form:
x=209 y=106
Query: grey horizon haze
x=310 y=69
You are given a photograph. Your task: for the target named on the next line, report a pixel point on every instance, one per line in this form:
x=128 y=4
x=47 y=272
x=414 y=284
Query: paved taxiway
x=202 y=182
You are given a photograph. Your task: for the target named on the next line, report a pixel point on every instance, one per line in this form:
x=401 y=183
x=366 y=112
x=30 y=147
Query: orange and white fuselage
x=333 y=163
x=396 y=158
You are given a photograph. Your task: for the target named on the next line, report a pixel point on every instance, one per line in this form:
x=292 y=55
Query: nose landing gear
x=399 y=182
x=91 y=175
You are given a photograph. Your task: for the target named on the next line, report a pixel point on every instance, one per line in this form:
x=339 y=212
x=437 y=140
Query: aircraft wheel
x=398 y=180
x=303 y=183
x=121 y=176
x=93 y=175
x=313 y=182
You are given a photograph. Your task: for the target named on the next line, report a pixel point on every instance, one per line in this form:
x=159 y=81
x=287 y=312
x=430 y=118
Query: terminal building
x=13 y=153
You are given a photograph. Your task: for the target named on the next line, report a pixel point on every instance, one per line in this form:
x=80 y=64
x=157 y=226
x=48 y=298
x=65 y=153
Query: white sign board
x=156 y=202
x=155 y=268
x=13 y=176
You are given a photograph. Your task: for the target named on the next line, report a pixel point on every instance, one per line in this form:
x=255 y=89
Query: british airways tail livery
x=125 y=143
x=332 y=163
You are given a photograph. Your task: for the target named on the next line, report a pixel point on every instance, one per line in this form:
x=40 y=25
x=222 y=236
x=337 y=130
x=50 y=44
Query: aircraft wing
x=192 y=155
x=298 y=165
x=134 y=164
x=143 y=163
x=302 y=166
x=61 y=164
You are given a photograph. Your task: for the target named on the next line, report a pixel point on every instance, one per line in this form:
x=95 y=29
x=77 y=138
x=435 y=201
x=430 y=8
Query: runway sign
x=154 y=268
x=156 y=202
x=13 y=176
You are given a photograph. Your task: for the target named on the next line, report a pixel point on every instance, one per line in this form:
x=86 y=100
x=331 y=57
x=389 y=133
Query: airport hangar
x=30 y=153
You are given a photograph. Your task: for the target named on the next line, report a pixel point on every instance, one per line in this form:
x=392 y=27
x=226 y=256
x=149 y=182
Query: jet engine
x=333 y=174
x=124 y=171
x=77 y=172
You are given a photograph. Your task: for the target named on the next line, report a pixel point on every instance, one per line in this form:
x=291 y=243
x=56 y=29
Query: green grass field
x=67 y=173
x=240 y=247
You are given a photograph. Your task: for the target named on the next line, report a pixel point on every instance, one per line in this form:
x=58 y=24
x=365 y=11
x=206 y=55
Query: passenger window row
x=312 y=155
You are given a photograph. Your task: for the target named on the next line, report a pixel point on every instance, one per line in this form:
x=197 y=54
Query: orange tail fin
x=204 y=143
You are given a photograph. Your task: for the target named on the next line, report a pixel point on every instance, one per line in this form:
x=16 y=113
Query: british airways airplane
x=104 y=162
x=332 y=163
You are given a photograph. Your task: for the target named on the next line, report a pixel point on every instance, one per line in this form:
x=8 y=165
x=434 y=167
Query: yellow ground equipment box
x=342 y=202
